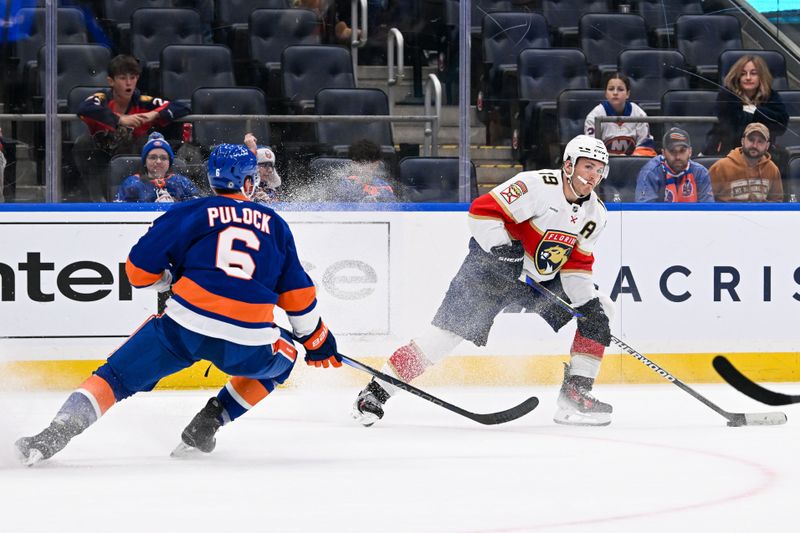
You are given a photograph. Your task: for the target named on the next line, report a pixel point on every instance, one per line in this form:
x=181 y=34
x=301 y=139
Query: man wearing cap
x=673 y=176
x=747 y=173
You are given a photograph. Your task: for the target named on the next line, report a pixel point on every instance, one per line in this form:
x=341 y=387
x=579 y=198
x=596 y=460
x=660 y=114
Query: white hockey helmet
x=587 y=146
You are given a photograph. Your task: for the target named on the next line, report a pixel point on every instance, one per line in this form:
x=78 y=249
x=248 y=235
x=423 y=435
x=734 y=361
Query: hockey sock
x=240 y=394
x=586 y=356
x=87 y=403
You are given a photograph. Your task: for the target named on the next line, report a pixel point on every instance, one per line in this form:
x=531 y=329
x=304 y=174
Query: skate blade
x=574 y=418
x=34 y=457
x=184 y=451
x=365 y=419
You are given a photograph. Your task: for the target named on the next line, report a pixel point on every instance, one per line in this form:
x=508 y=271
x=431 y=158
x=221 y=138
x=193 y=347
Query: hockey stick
x=734 y=419
x=488 y=419
x=743 y=384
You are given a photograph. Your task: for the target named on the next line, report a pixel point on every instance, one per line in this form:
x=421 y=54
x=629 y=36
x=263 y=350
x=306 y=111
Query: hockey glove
x=509 y=258
x=321 y=348
x=594 y=323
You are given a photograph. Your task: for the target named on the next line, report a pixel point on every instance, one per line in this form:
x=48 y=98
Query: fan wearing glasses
x=156 y=182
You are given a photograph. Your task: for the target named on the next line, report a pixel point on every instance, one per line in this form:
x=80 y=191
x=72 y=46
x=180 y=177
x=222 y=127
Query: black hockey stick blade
x=488 y=419
x=734 y=419
x=746 y=386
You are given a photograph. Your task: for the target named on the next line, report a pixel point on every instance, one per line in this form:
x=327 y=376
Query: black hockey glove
x=594 y=323
x=509 y=258
x=321 y=347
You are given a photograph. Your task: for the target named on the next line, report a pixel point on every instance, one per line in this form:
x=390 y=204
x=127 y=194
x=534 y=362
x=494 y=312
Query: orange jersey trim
x=139 y=277
x=220 y=305
x=297 y=299
x=101 y=390
x=250 y=390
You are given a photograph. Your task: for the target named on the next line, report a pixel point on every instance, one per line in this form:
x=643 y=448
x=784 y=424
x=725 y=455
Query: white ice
x=297 y=462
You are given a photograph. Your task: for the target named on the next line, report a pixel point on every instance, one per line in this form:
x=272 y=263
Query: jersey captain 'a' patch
x=514 y=191
x=553 y=251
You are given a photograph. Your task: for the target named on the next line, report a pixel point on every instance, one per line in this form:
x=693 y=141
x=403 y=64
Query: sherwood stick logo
x=651 y=365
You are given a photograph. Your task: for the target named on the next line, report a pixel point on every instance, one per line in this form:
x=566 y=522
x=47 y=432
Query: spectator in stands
x=747 y=173
x=673 y=176
x=621 y=138
x=268 y=178
x=367 y=181
x=156 y=182
x=119 y=119
x=746 y=97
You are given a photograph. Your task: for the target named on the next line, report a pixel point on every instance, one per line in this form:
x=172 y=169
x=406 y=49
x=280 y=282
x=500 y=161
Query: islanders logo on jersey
x=511 y=193
x=553 y=251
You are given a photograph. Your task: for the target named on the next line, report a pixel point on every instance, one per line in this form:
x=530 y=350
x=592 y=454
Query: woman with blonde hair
x=746 y=97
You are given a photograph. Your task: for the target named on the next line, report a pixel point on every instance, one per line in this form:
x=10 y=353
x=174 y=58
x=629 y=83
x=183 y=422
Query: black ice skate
x=368 y=407
x=199 y=434
x=577 y=406
x=32 y=450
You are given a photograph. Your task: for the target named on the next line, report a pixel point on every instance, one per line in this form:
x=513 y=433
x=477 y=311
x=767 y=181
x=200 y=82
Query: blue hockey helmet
x=229 y=165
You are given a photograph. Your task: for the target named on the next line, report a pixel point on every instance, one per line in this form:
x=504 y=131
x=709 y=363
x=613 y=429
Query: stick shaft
x=500 y=417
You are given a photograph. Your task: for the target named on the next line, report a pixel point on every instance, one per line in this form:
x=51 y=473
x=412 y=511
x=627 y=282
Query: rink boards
x=687 y=282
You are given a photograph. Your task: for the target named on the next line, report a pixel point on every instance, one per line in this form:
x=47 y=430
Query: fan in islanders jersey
x=229 y=262
x=538 y=226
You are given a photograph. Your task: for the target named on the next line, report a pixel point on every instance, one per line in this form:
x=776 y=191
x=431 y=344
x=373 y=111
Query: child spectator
x=621 y=138
x=156 y=182
x=119 y=119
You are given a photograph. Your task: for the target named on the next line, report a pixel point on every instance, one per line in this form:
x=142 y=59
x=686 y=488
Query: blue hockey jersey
x=231 y=262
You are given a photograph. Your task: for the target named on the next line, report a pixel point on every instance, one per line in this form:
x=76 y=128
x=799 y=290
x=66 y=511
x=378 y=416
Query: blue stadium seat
x=774 y=60
x=652 y=73
x=305 y=69
x=620 y=185
x=186 y=68
x=541 y=76
x=604 y=35
x=702 y=38
x=336 y=137
x=563 y=17
x=229 y=101
x=695 y=102
x=434 y=179
x=660 y=16
x=272 y=30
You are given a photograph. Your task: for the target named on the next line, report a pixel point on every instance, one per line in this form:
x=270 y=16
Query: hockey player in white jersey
x=540 y=225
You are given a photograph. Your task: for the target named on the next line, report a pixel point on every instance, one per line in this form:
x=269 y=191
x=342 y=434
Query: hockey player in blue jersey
x=229 y=262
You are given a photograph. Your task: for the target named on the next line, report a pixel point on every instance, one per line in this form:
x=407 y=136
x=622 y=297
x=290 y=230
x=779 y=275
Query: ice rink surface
x=297 y=462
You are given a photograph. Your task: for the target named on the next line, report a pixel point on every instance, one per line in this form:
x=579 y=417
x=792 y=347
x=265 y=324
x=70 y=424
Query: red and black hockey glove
x=594 y=323
x=321 y=348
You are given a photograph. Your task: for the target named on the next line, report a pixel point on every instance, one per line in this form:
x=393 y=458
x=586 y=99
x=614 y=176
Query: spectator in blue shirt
x=673 y=176
x=367 y=181
x=156 y=182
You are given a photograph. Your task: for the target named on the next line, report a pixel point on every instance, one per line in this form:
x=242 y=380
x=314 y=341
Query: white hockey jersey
x=620 y=138
x=558 y=236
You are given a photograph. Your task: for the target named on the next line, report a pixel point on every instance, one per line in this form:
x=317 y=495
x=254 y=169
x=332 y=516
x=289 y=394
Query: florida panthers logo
x=553 y=251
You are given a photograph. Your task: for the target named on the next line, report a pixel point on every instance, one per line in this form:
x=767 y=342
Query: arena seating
x=434 y=179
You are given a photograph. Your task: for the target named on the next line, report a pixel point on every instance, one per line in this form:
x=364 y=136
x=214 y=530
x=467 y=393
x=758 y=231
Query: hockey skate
x=577 y=406
x=199 y=434
x=368 y=407
x=53 y=439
